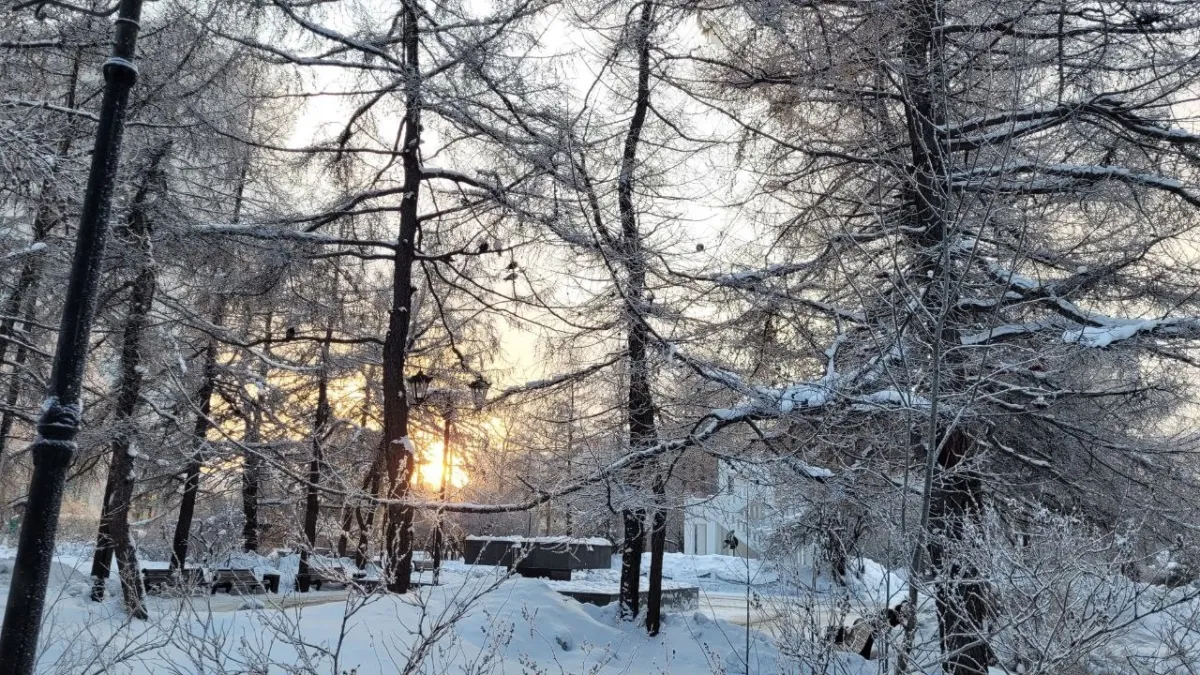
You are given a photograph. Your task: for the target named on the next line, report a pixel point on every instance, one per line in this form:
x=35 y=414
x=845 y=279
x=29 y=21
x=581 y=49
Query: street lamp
x=479 y=391
x=418 y=386
x=54 y=447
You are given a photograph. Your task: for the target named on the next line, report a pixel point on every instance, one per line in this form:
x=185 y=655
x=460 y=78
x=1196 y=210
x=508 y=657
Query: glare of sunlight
x=429 y=467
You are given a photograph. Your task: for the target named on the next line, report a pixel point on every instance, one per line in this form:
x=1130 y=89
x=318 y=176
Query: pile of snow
x=872 y=583
x=696 y=569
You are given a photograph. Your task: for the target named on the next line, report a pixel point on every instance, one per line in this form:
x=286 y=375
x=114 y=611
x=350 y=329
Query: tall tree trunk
x=191 y=483
x=113 y=535
x=399 y=532
x=633 y=543
x=951 y=497
x=642 y=433
x=312 y=498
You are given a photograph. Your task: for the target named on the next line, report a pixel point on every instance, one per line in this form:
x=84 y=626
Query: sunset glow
x=429 y=467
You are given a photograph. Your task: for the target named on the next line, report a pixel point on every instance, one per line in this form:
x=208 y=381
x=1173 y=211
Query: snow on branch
x=978 y=179
x=35 y=248
x=74 y=112
x=1006 y=331
x=1094 y=330
x=548 y=383
x=280 y=234
x=1112 y=330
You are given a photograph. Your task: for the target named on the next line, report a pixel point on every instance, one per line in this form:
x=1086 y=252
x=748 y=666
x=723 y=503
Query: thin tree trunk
x=250 y=483
x=312 y=500
x=400 y=460
x=353 y=514
x=632 y=545
x=350 y=511
x=366 y=517
x=113 y=535
x=252 y=462
x=438 y=535
x=191 y=483
x=640 y=411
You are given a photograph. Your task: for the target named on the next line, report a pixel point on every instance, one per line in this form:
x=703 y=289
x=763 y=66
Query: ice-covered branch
x=548 y=383
x=36 y=248
x=280 y=234
x=982 y=179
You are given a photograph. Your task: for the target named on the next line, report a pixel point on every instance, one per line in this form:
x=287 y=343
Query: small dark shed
x=552 y=557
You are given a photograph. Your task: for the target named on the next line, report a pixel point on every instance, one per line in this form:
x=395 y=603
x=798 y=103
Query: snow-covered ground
x=482 y=621
x=478 y=620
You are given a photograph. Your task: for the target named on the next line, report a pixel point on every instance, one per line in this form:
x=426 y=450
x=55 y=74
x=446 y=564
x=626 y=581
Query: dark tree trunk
x=366 y=516
x=954 y=493
x=312 y=498
x=353 y=511
x=658 y=547
x=957 y=498
x=191 y=483
x=252 y=461
x=250 y=482
x=632 y=546
x=350 y=513
x=642 y=433
x=251 y=475
x=113 y=535
x=398 y=530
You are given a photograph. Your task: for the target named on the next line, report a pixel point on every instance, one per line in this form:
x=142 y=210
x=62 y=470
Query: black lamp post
x=54 y=446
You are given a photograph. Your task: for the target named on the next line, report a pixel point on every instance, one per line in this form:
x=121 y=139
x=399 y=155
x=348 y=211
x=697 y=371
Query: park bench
x=422 y=561
x=326 y=576
x=161 y=580
x=241 y=580
x=364 y=585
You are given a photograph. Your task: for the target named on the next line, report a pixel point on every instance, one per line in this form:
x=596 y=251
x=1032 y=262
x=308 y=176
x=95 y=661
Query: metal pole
x=54 y=446
x=746 y=555
x=437 y=534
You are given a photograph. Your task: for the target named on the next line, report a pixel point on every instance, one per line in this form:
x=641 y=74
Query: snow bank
x=698 y=568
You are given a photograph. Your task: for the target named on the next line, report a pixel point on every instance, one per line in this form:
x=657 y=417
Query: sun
x=430 y=464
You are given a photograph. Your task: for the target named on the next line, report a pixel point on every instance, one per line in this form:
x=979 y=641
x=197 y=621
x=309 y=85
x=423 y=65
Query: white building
x=744 y=507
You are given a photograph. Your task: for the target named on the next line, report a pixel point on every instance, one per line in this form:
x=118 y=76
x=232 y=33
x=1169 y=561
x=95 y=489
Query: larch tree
x=977 y=211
